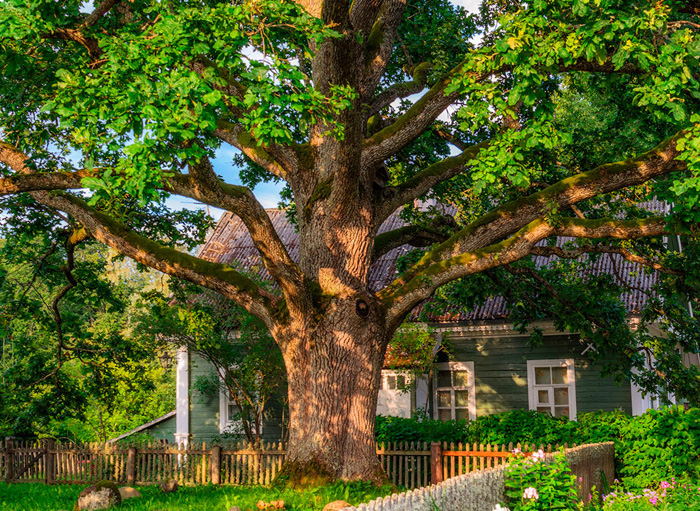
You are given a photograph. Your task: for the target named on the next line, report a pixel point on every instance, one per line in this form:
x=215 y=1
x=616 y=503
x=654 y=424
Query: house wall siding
x=500 y=370
x=204 y=410
x=164 y=430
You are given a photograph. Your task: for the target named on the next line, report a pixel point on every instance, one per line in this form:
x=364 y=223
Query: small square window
x=454 y=391
x=552 y=387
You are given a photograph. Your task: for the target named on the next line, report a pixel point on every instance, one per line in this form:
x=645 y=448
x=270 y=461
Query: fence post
x=50 y=461
x=215 y=457
x=435 y=463
x=131 y=466
x=9 y=460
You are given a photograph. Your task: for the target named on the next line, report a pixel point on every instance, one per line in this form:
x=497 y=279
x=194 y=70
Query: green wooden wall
x=164 y=430
x=500 y=370
x=204 y=410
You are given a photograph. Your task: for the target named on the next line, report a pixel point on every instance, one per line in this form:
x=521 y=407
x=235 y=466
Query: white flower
x=516 y=451
x=500 y=508
x=531 y=493
x=538 y=456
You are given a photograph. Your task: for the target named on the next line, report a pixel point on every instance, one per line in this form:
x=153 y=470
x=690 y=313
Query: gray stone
x=103 y=495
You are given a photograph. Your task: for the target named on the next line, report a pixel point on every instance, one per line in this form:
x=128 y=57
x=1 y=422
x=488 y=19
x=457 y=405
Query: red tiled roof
x=230 y=243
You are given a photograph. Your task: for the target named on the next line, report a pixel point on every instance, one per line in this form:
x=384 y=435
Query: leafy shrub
x=661 y=444
x=650 y=448
x=522 y=426
x=419 y=429
x=534 y=485
x=525 y=426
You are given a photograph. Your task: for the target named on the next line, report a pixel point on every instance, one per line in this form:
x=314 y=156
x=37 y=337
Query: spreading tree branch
x=380 y=45
x=435 y=270
x=202 y=185
x=396 y=196
x=216 y=276
x=575 y=253
x=415 y=235
x=423 y=113
x=512 y=216
x=400 y=90
x=99 y=12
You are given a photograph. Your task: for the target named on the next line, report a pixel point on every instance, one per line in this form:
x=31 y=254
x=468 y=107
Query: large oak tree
x=361 y=108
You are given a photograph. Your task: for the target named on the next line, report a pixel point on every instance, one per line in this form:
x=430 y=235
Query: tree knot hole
x=362 y=308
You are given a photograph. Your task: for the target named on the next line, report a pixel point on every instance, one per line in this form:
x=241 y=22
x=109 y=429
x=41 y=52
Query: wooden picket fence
x=411 y=465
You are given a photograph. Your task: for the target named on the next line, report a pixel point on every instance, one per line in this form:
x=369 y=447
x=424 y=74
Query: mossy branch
x=433 y=271
x=424 y=181
x=216 y=276
x=415 y=235
x=512 y=216
x=400 y=90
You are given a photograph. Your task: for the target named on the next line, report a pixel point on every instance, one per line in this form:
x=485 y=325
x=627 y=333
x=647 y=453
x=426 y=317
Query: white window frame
x=387 y=375
x=456 y=366
x=570 y=365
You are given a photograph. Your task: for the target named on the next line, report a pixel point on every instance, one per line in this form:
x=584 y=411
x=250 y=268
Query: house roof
x=230 y=243
x=145 y=426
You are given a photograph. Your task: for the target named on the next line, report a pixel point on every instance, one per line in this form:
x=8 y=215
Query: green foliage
x=413 y=349
x=661 y=444
x=74 y=368
x=655 y=446
x=533 y=484
x=517 y=426
x=247 y=362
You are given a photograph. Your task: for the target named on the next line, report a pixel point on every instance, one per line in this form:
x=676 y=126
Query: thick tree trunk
x=333 y=372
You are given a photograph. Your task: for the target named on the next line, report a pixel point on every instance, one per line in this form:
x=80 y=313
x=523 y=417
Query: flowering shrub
x=669 y=496
x=533 y=484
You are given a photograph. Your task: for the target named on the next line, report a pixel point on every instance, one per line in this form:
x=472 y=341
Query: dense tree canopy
x=534 y=120
x=75 y=361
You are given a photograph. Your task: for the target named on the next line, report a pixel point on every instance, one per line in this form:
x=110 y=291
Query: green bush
x=419 y=429
x=660 y=444
x=648 y=449
x=522 y=426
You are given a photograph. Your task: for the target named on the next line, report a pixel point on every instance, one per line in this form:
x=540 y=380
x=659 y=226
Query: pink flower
x=580 y=479
x=531 y=493
x=516 y=451
x=665 y=484
x=538 y=456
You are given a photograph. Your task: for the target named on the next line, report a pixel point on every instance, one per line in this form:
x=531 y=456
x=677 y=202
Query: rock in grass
x=102 y=495
x=169 y=486
x=127 y=492
x=336 y=505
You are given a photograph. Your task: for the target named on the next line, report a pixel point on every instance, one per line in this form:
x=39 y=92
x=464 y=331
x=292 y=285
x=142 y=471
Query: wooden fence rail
x=408 y=464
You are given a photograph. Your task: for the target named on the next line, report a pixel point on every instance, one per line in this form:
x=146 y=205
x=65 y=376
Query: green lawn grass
x=39 y=497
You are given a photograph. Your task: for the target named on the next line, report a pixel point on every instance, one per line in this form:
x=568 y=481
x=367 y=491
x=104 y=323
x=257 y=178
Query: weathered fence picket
x=407 y=464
